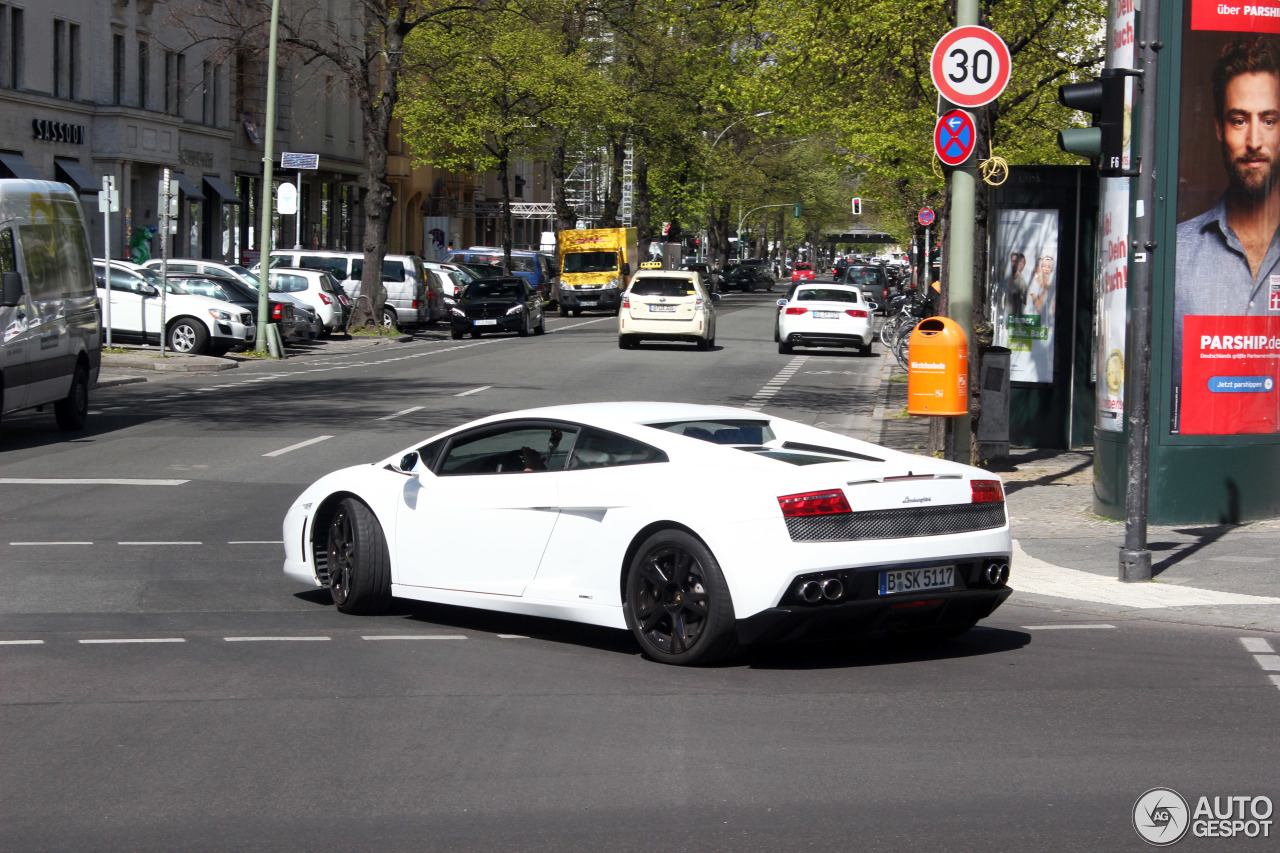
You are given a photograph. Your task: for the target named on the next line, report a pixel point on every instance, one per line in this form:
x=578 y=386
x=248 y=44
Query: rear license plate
x=662 y=308
x=915 y=580
x=486 y=322
x=825 y=315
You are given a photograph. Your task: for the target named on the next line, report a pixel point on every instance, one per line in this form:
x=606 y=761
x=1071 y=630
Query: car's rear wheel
x=677 y=602
x=704 y=344
x=72 y=411
x=784 y=348
x=626 y=341
x=359 y=562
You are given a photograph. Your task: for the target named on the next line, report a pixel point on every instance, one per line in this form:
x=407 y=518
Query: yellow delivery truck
x=595 y=264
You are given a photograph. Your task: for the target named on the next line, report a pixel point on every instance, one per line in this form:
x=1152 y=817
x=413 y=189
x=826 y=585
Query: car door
x=126 y=303
x=481 y=522
x=15 y=341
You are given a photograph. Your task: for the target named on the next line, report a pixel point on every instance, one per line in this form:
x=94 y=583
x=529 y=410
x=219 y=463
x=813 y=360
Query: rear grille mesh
x=896 y=523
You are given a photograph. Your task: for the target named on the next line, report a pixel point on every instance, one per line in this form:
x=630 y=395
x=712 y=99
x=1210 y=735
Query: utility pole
x=268 y=164
x=1135 y=556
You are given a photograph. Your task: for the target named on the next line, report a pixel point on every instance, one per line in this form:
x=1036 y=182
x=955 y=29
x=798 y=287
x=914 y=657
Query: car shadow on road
x=33 y=429
x=879 y=651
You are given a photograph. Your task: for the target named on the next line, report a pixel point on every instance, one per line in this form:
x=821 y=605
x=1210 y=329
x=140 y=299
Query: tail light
x=796 y=310
x=626 y=301
x=415 y=305
x=986 y=491
x=813 y=503
x=277 y=312
x=325 y=299
x=855 y=312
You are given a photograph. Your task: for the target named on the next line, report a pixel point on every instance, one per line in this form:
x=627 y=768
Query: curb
x=112 y=381
x=882 y=396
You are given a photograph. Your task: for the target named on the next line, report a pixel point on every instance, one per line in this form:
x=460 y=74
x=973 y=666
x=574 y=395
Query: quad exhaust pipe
x=814 y=591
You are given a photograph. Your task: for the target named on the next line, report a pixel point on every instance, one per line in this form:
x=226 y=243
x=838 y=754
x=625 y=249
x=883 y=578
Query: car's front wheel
x=359 y=562
x=677 y=602
x=188 y=336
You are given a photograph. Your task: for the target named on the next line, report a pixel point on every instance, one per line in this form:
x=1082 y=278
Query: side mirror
x=12 y=286
x=874 y=306
x=148 y=290
x=408 y=462
x=715 y=297
x=782 y=303
x=626 y=269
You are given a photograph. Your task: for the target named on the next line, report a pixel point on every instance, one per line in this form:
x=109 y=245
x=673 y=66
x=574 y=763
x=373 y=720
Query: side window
x=393 y=270
x=178 y=267
x=121 y=280
x=38 y=253
x=599 y=449
x=8 y=263
x=336 y=267
x=357 y=268
x=516 y=449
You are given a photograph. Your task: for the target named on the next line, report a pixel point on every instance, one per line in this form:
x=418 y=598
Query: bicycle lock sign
x=970 y=66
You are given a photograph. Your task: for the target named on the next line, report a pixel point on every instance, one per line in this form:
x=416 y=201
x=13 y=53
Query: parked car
x=591 y=513
x=668 y=305
x=51 y=349
x=306 y=323
x=505 y=304
x=319 y=290
x=192 y=324
x=825 y=315
x=234 y=292
x=534 y=267
x=413 y=299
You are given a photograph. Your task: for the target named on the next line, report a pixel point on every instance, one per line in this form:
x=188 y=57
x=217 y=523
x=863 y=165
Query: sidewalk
x=1067 y=557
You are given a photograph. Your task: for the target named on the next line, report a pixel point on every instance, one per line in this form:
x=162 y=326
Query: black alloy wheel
x=72 y=412
x=677 y=602
x=359 y=562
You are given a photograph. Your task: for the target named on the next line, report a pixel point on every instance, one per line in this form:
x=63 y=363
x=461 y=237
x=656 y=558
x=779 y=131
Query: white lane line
x=1256 y=645
x=1040 y=578
x=299 y=445
x=257 y=542
x=403 y=412
x=50 y=543
x=1064 y=627
x=274 y=639
x=21 y=642
x=578 y=325
x=512 y=637
x=414 y=637
x=159 y=543
x=85 y=481
x=129 y=640
x=1271 y=663
x=474 y=391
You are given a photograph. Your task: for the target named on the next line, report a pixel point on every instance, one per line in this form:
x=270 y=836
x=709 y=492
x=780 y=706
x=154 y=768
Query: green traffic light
x=1083 y=141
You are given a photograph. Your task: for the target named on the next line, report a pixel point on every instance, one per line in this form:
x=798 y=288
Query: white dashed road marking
x=258 y=542
x=274 y=639
x=1063 y=627
x=1263 y=655
x=159 y=543
x=402 y=412
x=130 y=640
x=1256 y=645
x=21 y=642
x=50 y=543
x=68 y=481
x=299 y=445
x=414 y=637
x=474 y=391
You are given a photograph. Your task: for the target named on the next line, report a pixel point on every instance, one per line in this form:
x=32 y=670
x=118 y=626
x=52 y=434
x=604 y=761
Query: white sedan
x=696 y=527
x=825 y=315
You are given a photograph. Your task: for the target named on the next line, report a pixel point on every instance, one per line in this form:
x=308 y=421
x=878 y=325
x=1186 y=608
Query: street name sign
x=293 y=160
x=970 y=66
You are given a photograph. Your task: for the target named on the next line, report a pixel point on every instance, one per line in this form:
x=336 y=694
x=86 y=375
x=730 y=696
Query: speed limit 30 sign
x=970 y=66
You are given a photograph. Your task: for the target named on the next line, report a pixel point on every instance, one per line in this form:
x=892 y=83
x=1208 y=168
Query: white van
x=413 y=298
x=52 y=344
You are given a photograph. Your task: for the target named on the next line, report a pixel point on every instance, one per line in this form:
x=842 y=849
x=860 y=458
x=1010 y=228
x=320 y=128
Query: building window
x=117 y=69
x=327 y=106
x=209 y=94
x=144 y=73
x=73 y=61
x=174 y=68
x=59 y=57
x=17 y=42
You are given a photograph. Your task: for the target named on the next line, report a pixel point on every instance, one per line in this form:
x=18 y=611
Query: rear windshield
x=288 y=283
x=663 y=287
x=804 y=266
x=863 y=275
x=826 y=295
x=729 y=431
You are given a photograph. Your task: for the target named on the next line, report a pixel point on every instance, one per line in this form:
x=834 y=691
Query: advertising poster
x=1113 y=257
x=1024 y=286
x=1226 y=320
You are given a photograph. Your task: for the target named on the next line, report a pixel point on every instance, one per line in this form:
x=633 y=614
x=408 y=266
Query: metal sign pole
x=104 y=206
x=297 y=216
x=268 y=165
x=165 y=195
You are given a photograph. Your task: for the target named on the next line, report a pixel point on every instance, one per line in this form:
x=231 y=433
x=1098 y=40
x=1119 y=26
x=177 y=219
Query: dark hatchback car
x=230 y=290
x=871 y=280
x=503 y=304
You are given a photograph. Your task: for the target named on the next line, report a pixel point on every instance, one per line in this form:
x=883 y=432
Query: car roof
x=688 y=274
x=637 y=412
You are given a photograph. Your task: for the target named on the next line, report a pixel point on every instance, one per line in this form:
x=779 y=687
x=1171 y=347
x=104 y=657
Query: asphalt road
x=165 y=687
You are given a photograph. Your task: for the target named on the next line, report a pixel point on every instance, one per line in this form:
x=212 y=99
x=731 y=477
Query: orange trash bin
x=938 y=369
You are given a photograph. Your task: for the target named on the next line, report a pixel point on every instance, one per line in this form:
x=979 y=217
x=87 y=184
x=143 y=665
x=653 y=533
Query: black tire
x=749 y=287
x=704 y=344
x=359 y=562
x=776 y=337
x=72 y=411
x=676 y=601
x=564 y=312
x=188 y=336
x=525 y=329
x=784 y=348
x=541 y=328
x=865 y=350
x=456 y=334
x=577 y=312
x=475 y=334
x=626 y=342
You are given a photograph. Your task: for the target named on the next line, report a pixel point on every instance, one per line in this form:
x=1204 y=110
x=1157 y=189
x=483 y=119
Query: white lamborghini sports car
x=698 y=528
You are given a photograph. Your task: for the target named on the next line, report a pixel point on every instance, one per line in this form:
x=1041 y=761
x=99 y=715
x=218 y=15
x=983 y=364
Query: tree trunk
x=504 y=166
x=640 y=195
x=613 y=197
x=566 y=219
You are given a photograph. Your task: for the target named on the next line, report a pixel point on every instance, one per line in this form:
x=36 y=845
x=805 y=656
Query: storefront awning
x=71 y=172
x=12 y=165
x=219 y=190
x=190 y=190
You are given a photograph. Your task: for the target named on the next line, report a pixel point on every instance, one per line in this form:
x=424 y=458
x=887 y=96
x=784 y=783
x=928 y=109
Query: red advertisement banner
x=1230 y=369
x=1246 y=17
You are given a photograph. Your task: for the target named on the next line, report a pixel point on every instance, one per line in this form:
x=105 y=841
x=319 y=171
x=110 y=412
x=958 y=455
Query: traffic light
x=795 y=210
x=1103 y=98
x=857 y=207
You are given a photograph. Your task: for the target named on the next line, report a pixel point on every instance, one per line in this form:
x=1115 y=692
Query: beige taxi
x=668 y=305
